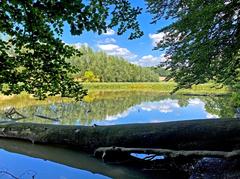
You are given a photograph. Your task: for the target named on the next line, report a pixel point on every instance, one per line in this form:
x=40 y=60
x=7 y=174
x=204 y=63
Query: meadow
x=164 y=87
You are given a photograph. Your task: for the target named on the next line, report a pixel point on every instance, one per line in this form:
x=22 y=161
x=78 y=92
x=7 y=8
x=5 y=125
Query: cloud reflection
x=209 y=116
x=120 y=115
x=195 y=102
x=164 y=106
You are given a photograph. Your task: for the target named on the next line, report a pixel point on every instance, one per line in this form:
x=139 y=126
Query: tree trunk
x=211 y=134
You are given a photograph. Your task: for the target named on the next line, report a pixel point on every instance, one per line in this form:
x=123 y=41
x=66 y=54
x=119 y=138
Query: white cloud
x=156 y=38
x=113 y=49
x=107 y=41
x=165 y=106
x=78 y=44
x=149 y=60
x=156 y=121
x=162 y=36
x=109 y=32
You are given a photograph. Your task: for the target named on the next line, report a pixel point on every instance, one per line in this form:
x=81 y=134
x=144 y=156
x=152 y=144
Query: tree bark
x=211 y=134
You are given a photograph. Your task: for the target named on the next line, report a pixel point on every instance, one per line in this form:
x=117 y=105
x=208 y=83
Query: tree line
x=100 y=67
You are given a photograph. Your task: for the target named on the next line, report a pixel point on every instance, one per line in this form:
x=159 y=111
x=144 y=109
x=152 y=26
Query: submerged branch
x=169 y=153
x=11 y=112
x=46 y=117
x=14 y=115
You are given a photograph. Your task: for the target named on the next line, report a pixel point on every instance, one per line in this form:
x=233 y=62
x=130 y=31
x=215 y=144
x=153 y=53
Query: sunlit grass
x=165 y=87
x=24 y=99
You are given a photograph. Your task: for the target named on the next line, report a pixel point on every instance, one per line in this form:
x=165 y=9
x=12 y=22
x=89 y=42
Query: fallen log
x=211 y=134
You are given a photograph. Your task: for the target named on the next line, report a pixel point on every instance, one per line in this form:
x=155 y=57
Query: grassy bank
x=165 y=87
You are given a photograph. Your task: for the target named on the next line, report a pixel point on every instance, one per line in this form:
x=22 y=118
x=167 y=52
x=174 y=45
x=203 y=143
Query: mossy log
x=211 y=134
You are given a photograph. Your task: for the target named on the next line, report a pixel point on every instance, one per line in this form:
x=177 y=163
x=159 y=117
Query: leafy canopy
x=203 y=43
x=34 y=58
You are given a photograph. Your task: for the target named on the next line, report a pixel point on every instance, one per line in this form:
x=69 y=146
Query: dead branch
x=11 y=112
x=46 y=117
x=169 y=153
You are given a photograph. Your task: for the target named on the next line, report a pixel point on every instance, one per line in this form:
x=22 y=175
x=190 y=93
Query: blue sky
x=138 y=51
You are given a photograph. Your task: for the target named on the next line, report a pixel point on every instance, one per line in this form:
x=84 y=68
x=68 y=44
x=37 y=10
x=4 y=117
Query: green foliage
x=90 y=77
x=160 y=71
x=235 y=100
x=35 y=28
x=203 y=43
x=110 y=68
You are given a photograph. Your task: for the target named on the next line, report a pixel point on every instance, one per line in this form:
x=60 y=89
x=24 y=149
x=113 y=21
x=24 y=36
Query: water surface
x=24 y=160
x=109 y=108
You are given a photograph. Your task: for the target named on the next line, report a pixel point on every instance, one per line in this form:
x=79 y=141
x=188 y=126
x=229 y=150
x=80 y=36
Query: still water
x=23 y=160
x=109 y=108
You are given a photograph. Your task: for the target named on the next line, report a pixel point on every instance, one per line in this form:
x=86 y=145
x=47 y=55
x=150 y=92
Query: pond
x=109 y=108
x=24 y=160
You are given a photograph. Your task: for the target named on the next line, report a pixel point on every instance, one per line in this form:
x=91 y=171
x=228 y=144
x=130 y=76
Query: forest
x=100 y=67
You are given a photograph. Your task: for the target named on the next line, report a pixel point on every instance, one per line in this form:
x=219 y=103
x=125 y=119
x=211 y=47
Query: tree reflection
x=220 y=106
x=98 y=106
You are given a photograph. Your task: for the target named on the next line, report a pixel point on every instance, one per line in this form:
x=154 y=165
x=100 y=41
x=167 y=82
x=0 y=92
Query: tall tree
x=203 y=42
x=38 y=64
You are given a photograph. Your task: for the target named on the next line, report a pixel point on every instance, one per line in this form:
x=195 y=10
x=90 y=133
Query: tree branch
x=168 y=153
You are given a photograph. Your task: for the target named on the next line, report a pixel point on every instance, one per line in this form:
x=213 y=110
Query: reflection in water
x=107 y=108
x=48 y=162
x=27 y=167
